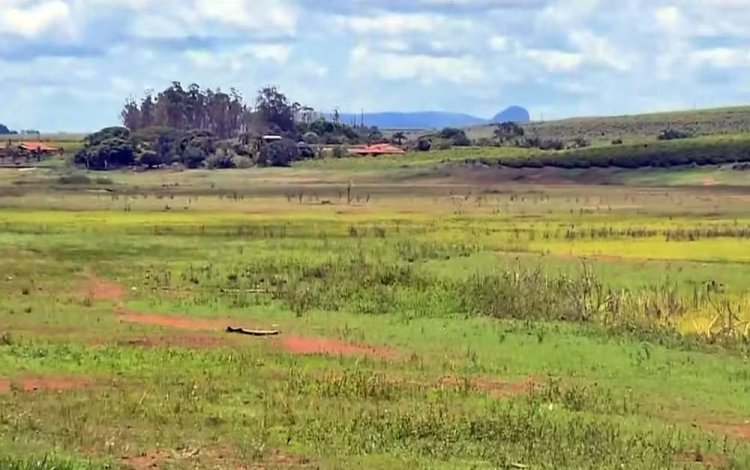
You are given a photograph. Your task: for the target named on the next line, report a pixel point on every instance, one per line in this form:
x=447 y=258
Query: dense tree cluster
x=198 y=127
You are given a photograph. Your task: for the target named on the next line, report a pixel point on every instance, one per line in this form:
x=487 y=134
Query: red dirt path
x=33 y=384
x=175 y=322
x=302 y=345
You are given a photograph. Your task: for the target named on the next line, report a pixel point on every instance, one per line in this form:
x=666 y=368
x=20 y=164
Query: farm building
x=41 y=147
x=376 y=150
x=17 y=152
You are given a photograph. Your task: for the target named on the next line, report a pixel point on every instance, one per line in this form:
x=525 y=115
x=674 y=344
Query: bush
x=580 y=142
x=149 y=159
x=311 y=138
x=674 y=134
x=242 y=161
x=107 y=154
x=220 y=160
x=339 y=151
x=280 y=153
x=617 y=142
x=424 y=145
x=306 y=151
x=551 y=144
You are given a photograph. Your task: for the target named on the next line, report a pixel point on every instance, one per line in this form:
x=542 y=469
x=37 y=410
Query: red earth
x=102 y=289
x=332 y=347
x=175 y=322
x=738 y=431
x=33 y=384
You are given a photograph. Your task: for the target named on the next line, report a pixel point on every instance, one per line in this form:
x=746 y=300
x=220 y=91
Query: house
x=376 y=150
x=40 y=147
x=26 y=150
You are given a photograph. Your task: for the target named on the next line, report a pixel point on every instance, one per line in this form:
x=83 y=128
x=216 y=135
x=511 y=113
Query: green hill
x=640 y=127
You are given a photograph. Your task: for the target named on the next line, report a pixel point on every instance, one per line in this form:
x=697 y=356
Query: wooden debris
x=243 y=331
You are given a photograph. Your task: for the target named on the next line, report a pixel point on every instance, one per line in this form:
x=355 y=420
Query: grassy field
x=637 y=128
x=430 y=322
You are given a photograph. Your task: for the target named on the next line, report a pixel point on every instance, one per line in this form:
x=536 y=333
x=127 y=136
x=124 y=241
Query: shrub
x=424 y=145
x=457 y=137
x=551 y=144
x=674 y=134
x=74 y=179
x=220 y=160
x=149 y=159
x=339 y=151
x=280 y=153
x=242 y=161
x=311 y=138
x=580 y=142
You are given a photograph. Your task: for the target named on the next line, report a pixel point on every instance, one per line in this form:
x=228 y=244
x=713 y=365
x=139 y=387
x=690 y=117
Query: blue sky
x=70 y=64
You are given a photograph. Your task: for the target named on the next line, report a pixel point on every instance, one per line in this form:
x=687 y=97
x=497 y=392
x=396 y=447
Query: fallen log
x=243 y=331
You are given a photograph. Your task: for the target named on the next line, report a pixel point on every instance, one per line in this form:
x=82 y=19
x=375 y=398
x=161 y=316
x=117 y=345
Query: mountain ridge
x=434 y=119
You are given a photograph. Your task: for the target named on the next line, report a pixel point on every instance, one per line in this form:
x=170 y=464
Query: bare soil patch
x=103 y=290
x=149 y=460
x=34 y=384
x=221 y=457
x=331 y=347
x=173 y=321
x=277 y=459
x=737 y=431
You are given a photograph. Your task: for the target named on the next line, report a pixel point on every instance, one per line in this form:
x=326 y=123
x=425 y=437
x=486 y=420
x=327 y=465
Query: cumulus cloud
x=560 y=57
x=31 y=20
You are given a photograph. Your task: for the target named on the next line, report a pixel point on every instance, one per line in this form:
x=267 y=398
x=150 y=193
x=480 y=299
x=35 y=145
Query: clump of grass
x=74 y=179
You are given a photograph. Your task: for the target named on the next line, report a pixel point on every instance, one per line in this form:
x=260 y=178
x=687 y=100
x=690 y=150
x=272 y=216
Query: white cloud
x=425 y=69
x=33 y=20
x=564 y=56
x=554 y=60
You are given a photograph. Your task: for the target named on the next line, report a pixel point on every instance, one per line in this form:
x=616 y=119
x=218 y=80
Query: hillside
x=637 y=127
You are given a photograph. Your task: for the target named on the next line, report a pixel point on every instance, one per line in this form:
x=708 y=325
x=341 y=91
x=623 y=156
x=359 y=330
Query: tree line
x=665 y=153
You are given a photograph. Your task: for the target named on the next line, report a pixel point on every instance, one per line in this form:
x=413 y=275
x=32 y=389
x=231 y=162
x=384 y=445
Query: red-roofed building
x=31 y=146
x=377 y=149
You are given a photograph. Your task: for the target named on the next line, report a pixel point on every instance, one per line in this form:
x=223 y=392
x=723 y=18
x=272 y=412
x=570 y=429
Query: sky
x=69 y=65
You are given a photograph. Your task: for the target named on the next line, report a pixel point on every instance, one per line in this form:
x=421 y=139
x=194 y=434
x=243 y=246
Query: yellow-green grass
x=389 y=272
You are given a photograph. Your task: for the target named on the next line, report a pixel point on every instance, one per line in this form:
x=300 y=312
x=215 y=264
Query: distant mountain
x=515 y=114
x=434 y=119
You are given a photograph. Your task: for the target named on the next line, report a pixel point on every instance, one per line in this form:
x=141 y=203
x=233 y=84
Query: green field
x=428 y=318
x=638 y=128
